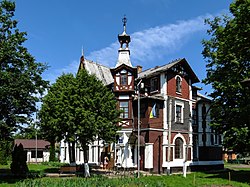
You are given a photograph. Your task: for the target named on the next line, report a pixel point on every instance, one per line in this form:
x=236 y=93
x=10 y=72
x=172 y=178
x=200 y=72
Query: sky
x=161 y=31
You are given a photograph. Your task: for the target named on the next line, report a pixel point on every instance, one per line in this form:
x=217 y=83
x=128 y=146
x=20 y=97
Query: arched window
x=178 y=84
x=178 y=148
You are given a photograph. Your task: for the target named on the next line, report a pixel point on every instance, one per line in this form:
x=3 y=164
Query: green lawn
x=233 y=177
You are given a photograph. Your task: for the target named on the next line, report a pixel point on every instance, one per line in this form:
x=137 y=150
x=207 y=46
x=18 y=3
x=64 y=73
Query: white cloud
x=152 y=43
x=71 y=68
x=146 y=45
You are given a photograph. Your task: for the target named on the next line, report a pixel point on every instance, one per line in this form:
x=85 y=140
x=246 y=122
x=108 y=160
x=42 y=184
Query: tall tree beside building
x=228 y=64
x=20 y=75
x=80 y=109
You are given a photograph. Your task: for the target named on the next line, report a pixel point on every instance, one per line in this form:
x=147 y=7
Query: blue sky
x=160 y=30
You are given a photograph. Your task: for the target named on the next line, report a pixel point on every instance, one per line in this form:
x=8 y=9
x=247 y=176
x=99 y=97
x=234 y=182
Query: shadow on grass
x=242 y=176
x=7 y=177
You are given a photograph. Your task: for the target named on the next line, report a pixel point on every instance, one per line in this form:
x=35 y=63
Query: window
x=178 y=148
x=39 y=154
x=178 y=114
x=178 y=84
x=154 y=85
x=194 y=117
x=124 y=79
x=124 y=107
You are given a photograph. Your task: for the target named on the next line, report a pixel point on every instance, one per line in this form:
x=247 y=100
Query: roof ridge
x=99 y=64
x=156 y=67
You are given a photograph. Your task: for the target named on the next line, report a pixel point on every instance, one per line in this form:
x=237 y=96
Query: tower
x=124 y=75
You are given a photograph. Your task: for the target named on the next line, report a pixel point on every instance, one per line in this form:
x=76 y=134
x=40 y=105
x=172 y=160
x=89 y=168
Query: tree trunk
x=73 y=153
x=52 y=155
x=70 y=152
x=85 y=154
x=72 y=159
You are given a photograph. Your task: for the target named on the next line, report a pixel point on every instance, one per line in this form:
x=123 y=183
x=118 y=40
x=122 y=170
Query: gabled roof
x=122 y=66
x=101 y=72
x=159 y=69
x=31 y=144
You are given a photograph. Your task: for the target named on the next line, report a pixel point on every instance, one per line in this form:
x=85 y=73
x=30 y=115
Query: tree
x=54 y=114
x=80 y=109
x=228 y=64
x=19 y=157
x=20 y=75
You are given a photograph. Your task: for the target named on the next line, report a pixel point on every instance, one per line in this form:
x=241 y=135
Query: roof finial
x=124 y=20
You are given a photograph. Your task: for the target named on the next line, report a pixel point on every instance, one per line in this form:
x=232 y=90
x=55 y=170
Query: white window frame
x=179 y=103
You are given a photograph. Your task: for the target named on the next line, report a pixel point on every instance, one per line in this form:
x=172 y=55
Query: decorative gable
x=124 y=77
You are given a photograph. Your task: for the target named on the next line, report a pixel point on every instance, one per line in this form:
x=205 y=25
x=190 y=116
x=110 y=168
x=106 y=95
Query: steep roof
x=101 y=72
x=31 y=144
x=159 y=69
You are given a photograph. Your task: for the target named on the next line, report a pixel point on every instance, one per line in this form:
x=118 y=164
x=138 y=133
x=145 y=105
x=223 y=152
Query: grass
x=234 y=176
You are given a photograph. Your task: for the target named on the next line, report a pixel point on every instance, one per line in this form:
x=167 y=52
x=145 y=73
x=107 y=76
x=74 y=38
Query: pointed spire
x=82 y=51
x=124 y=52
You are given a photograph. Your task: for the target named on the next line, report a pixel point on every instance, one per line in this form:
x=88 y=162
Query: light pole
x=138 y=129
x=36 y=135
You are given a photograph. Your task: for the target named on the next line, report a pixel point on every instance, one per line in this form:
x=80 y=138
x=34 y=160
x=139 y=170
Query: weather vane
x=124 y=20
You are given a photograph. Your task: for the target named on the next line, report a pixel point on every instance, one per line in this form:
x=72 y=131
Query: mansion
x=173 y=117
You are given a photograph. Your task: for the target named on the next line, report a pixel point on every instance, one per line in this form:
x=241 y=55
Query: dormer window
x=178 y=84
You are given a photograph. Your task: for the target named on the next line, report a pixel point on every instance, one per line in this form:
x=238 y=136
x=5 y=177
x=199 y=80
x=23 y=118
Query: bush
x=19 y=165
x=54 y=164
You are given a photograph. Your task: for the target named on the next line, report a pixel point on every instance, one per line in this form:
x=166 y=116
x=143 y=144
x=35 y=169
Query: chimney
x=139 y=69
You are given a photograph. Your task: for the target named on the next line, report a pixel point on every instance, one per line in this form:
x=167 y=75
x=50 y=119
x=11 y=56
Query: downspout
x=169 y=133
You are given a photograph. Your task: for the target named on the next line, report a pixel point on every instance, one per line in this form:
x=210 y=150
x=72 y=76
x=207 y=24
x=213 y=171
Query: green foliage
x=5 y=150
x=52 y=151
x=194 y=179
x=228 y=62
x=54 y=164
x=19 y=165
x=20 y=75
x=79 y=108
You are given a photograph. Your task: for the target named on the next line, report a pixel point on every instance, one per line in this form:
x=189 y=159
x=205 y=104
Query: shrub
x=19 y=165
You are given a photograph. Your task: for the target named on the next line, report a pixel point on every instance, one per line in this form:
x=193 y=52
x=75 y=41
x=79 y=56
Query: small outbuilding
x=36 y=150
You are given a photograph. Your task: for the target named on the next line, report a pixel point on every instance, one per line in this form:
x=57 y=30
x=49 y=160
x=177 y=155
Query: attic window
x=178 y=84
